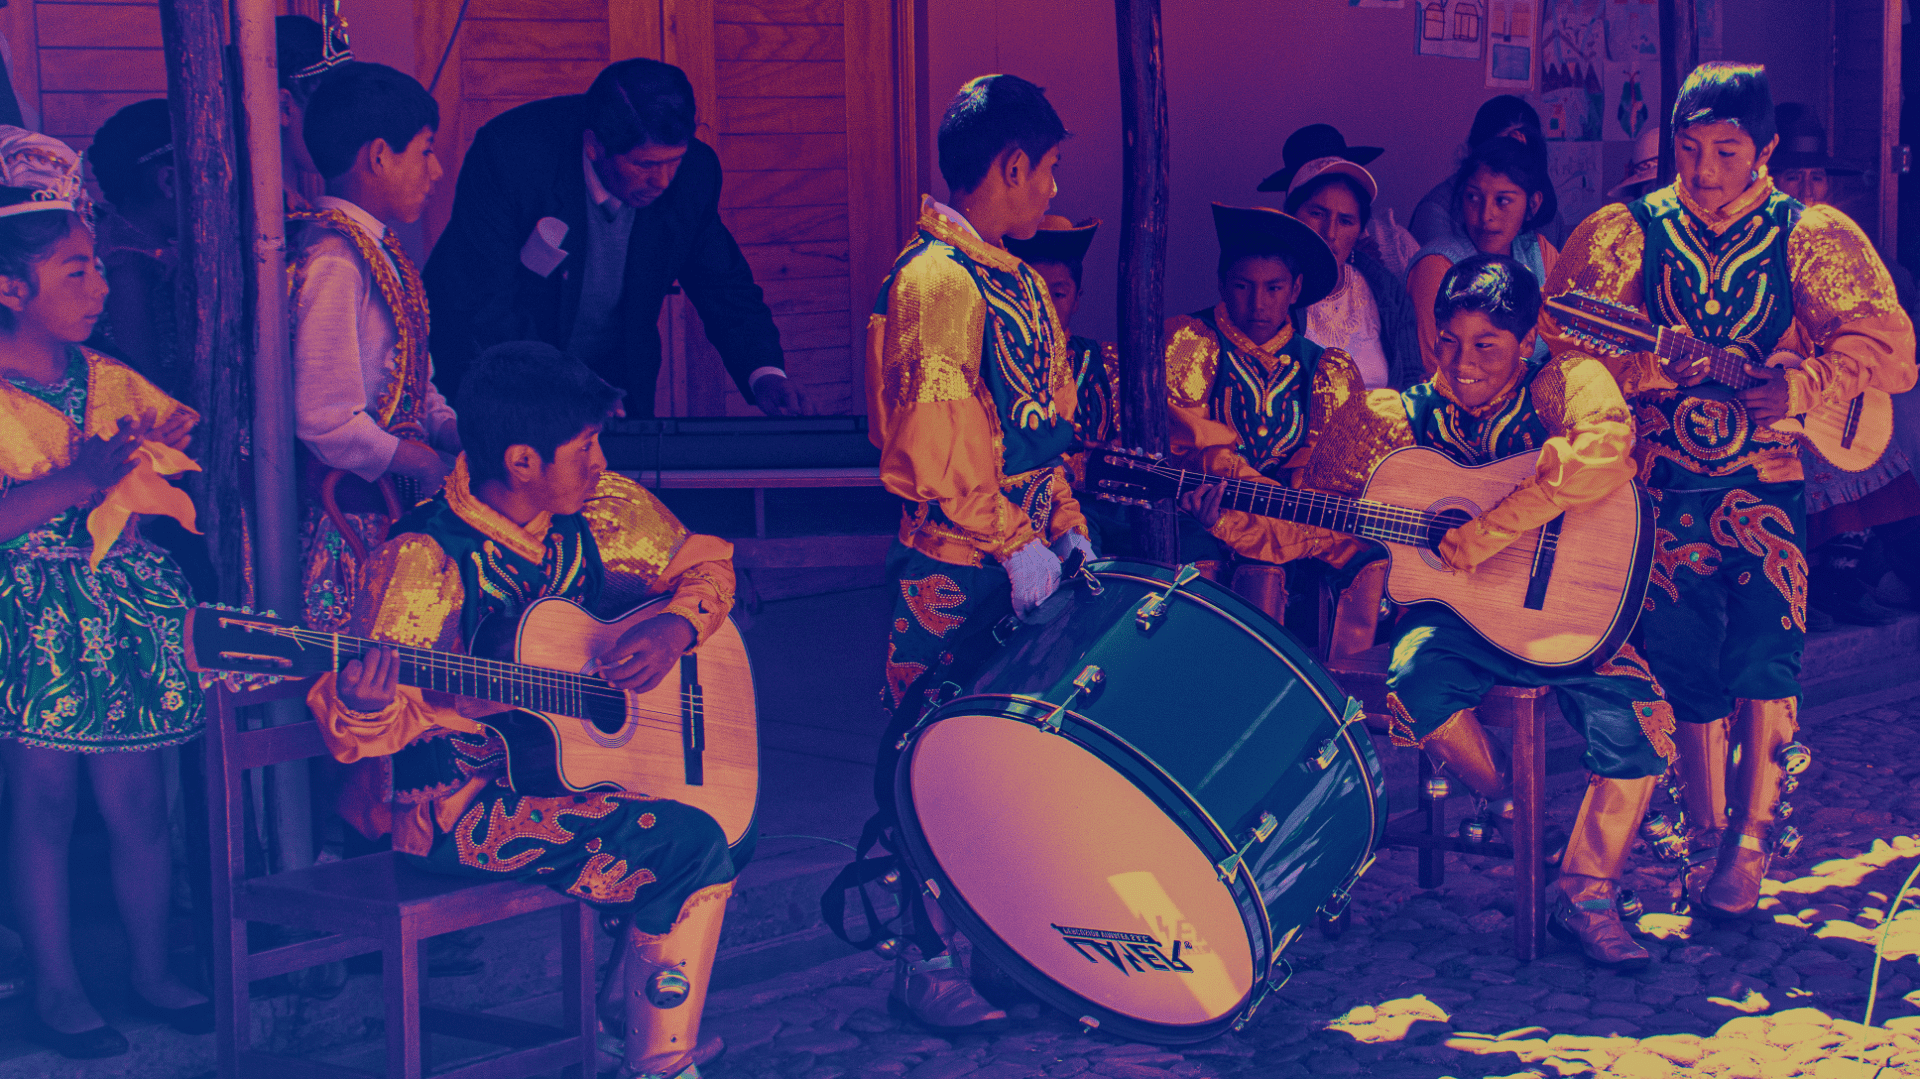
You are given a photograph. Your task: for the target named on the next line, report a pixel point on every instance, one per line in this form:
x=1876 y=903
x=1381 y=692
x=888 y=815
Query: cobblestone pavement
x=1425 y=983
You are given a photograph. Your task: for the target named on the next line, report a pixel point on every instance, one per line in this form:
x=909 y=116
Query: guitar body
x=647 y=752
x=1592 y=595
x=1850 y=438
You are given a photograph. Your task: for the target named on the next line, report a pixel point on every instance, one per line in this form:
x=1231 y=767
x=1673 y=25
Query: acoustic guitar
x=1851 y=434
x=1564 y=593
x=692 y=738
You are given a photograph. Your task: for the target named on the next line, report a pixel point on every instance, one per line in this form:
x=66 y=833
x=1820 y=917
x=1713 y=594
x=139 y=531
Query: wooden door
x=1866 y=108
x=799 y=99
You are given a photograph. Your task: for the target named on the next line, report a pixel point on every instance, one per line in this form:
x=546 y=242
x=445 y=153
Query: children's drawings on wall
x=1576 y=172
x=1510 y=44
x=1573 y=46
x=1449 y=27
x=1376 y=3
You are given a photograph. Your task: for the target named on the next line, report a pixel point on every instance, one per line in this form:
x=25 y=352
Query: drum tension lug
x=1150 y=612
x=1088 y=681
x=1330 y=749
x=1230 y=866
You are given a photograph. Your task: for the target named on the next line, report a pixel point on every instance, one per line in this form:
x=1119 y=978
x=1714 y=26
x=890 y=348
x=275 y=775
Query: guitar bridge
x=693 y=721
x=1543 y=555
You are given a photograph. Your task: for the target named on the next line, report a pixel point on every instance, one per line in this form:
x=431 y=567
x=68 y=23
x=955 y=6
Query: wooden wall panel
x=86 y=61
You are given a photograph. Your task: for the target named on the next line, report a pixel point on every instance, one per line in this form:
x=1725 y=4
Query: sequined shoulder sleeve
x=1843 y=299
x=410 y=594
x=637 y=537
x=1604 y=258
x=118 y=390
x=1339 y=397
x=1193 y=354
x=1355 y=441
x=935 y=317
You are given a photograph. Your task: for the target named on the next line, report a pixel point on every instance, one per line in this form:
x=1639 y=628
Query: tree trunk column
x=1143 y=246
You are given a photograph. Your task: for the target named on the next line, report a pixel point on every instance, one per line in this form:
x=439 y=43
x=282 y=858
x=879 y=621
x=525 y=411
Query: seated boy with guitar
x=530 y=512
x=1484 y=403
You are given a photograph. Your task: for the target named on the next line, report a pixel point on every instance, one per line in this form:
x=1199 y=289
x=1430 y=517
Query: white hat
x=1320 y=166
x=45 y=165
x=1644 y=165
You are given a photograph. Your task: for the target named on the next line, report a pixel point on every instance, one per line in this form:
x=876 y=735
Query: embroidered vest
x=1514 y=427
x=1728 y=288
x=1096 y=411
x=1268 y=408
x=498 y=584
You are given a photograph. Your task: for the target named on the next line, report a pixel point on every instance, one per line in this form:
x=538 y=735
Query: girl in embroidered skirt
x=92 y=667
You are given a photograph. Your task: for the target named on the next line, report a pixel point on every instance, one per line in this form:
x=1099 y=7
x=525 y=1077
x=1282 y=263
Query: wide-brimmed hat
x=1311 y=143
x=1057 y=240
x=1337 y=166
x=1644 y=165
x=1259 y=230
x=1803 y=143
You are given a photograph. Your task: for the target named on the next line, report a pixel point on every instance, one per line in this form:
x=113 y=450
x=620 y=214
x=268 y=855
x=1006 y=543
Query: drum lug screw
x=1230 y=866
x=1088 y=681
x=888 y=948
x=1150 y=613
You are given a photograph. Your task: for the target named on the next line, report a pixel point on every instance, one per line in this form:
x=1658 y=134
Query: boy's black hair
x=129 y=151
x=640 y=101
x=989 y=116
x=1233 y=257
x=526 y=393
x=1314 y=186
x=1500 y=113
x=1731 y=93
x=25 y=239
x=360 y=102
x=1494 y=285
x=1073 y=268
x=298 y=44
x=1525 y=163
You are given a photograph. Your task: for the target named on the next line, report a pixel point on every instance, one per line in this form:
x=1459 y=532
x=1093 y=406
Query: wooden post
x=1679 y=55
x=1143 y=255
x=212 y=289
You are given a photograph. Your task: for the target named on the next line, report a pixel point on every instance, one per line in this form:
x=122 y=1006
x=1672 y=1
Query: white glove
x=1034 y=572
x=1071 y=542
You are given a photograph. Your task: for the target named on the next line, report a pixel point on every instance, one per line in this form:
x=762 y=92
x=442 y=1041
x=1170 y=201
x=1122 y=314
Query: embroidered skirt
x=94 y=661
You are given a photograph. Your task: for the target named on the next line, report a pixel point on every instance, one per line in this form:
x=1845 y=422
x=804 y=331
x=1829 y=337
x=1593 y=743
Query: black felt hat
x=1257 y=230
x=1803 y=143
x=1056 y=241
x=1311 y=143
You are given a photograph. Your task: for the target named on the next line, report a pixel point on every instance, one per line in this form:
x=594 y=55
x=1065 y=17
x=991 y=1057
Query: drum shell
x=1219 y=717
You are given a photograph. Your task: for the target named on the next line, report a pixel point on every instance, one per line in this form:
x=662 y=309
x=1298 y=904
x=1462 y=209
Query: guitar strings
x=567 y=688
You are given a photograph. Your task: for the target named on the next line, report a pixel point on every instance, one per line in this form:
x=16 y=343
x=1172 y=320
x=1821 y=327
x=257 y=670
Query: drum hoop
x=1373 y=806
x=915 y=840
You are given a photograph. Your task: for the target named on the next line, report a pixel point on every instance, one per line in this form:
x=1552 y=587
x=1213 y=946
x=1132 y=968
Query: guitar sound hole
x=1446 y=521
x=608 y=716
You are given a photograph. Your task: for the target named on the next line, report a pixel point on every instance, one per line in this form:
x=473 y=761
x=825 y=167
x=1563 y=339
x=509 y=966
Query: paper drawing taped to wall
x=1575 y=169
x=1510 y=44
x=1449 y=28
x=1573 y=42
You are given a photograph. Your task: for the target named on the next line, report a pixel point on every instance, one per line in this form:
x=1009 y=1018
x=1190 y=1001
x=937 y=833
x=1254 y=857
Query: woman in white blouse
x=1368 y=314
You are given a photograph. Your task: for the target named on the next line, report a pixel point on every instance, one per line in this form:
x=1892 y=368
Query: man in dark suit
x=573 y=218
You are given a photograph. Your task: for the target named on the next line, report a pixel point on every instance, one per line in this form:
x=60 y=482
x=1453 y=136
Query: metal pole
x=276 y=534
x=1143 y=251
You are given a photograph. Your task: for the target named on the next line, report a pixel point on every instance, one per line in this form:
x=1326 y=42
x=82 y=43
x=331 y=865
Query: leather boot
x=667 y=979
x=1760 y=729
x=1703 y=792
x=937 y=994
x=1462 y=746
x=1263 y=586
x=1582 y=902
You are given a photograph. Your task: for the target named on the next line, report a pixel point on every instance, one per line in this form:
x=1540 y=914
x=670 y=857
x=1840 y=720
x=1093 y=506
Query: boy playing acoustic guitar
x=530 y=512
x=1486 y=402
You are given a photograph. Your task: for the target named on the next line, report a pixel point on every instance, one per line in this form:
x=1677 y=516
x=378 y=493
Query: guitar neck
x=1354 y=516
x=1616 y=329
x=1726 y=368
x=513 y=684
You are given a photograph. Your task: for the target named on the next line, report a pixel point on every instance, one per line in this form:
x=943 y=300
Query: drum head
x=1108 y=907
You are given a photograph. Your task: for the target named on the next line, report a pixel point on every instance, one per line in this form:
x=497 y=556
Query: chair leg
x=1433 y=861
x=577 y=924
x=400 y=971
x=1529 y=791
x=232 y=993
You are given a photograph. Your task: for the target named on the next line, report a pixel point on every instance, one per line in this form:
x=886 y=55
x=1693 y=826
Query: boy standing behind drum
x=970 y=398
x=1485 y=402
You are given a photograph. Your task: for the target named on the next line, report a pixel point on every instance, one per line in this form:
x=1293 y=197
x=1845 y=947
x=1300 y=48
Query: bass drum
x=1079 y=810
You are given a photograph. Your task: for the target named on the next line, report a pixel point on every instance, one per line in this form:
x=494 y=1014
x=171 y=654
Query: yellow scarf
x=41 y=440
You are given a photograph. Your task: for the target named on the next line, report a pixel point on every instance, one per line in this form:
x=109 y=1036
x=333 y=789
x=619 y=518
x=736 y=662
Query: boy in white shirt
x=363 y=390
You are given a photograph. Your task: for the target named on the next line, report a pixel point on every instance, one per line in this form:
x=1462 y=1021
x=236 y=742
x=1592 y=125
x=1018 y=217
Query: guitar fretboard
x=1355 y=516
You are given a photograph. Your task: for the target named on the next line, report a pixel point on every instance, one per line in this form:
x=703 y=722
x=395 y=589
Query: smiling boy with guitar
x=1723 y=256
x=528 y=514
x=1485 y=403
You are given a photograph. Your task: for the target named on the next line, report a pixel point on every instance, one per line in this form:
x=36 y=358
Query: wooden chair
x=374 y=903
x=1360 y=668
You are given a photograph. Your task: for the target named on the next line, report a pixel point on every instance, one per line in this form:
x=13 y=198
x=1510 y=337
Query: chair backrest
x=1356 y=615
x=232 y=752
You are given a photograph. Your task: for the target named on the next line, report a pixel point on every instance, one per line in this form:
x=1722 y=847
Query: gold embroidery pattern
x=1656 y=717
x=422 y=595
x=1740 y=521
x=636 y=534
x=404 y=394
x=534 y=819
